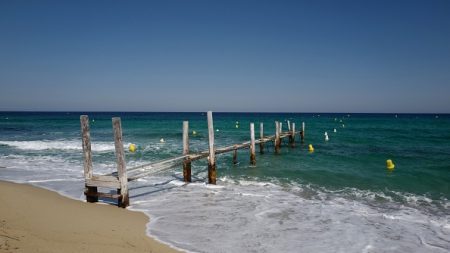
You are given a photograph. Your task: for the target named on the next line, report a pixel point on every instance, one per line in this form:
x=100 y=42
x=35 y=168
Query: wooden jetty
x=118 y=181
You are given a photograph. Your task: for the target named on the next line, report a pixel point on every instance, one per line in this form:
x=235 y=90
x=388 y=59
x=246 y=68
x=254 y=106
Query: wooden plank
x=103 y=181
x=252 y=144
x=277 y=137
x=121 y=165
x=212 y=156
x=104 y=195
x=187 y=161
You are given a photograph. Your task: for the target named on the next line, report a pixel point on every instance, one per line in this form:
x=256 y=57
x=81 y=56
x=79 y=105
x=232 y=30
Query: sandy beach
x=37 y=220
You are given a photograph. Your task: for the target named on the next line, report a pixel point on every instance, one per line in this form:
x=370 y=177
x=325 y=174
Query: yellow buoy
x=132 y=148
x=389 y=164
x=311 y=148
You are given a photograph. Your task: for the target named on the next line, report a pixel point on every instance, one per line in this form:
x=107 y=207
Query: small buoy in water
x=237 y=126
x=335 y=119
x=194 y=132
x=437 y=117
x=132 y=148
x=389 y=164
x=237 y=122
x=334 y=130
x=162 y=140
x=310 y=148
x=343 y=126
x=93 y=120
x=396 y=115
x=217 y=130
x=326 y=136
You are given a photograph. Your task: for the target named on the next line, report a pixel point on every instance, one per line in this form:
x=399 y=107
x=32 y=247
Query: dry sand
x=37 y=220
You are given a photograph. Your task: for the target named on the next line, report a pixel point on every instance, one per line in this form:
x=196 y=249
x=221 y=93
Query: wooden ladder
x=92 y=182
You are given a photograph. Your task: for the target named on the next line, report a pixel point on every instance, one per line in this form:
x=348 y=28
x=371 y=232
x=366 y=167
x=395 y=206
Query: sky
x=240 y=56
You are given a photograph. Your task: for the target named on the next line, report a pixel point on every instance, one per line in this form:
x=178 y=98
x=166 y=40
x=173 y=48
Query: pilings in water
x=292 y=135
x=302 y=133
x=187 y=161
x=212 y=152
x=252 y=144
x=277 y=137
x=124 y=201
x=261 y=136
x=119 y=181
x=235 y=161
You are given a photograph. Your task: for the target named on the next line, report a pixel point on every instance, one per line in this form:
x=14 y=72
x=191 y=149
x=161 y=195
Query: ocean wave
x=58 y=145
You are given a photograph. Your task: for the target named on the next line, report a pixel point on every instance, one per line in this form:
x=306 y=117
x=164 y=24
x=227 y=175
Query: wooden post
x=277 y=137
x=302 y=133
x=252 y=144
x=261 y=136
x=235 y=161
x=289 y=125
x=293 y=135
x=212 y=155
x=281 y=127
x=86 y=141
x=187 y=161
x=121 y=166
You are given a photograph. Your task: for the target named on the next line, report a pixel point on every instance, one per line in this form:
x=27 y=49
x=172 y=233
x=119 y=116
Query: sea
x=339 y=198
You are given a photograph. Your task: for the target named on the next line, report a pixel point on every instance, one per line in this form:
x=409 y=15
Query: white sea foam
x=58 y=145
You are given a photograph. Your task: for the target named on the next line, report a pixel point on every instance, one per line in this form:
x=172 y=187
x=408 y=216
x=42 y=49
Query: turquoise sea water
x=341 y=197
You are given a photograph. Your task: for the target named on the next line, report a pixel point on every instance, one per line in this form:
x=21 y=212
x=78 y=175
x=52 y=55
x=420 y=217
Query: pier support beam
x=277 y=137
x=235 y=161
x=212 y=155
x=302 y=133
x=187 y=161
x=87 y=162
x=261 y=136
x=292 y=136
x=252 y=144
x=121 y=166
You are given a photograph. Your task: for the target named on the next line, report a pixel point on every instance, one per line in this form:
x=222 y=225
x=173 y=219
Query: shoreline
x=33 y=219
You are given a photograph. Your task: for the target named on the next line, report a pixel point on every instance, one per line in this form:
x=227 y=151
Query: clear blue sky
x=295 y=56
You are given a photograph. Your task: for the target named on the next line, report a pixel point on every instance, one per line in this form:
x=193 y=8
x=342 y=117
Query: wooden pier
x=118 y=181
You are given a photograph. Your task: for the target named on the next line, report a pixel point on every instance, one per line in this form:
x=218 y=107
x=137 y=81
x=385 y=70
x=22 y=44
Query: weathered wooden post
x=87 y=162
x=235 y=161
x=212 y=155
x=289 y=125
x=187 y=160
x=292 y=137
x=302 y=133
x=261 y=136
x=121 y=166
x=252 y=144
x=277 y=137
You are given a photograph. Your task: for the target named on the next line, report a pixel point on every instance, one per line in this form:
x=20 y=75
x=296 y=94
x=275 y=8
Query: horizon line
x=113 y=111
